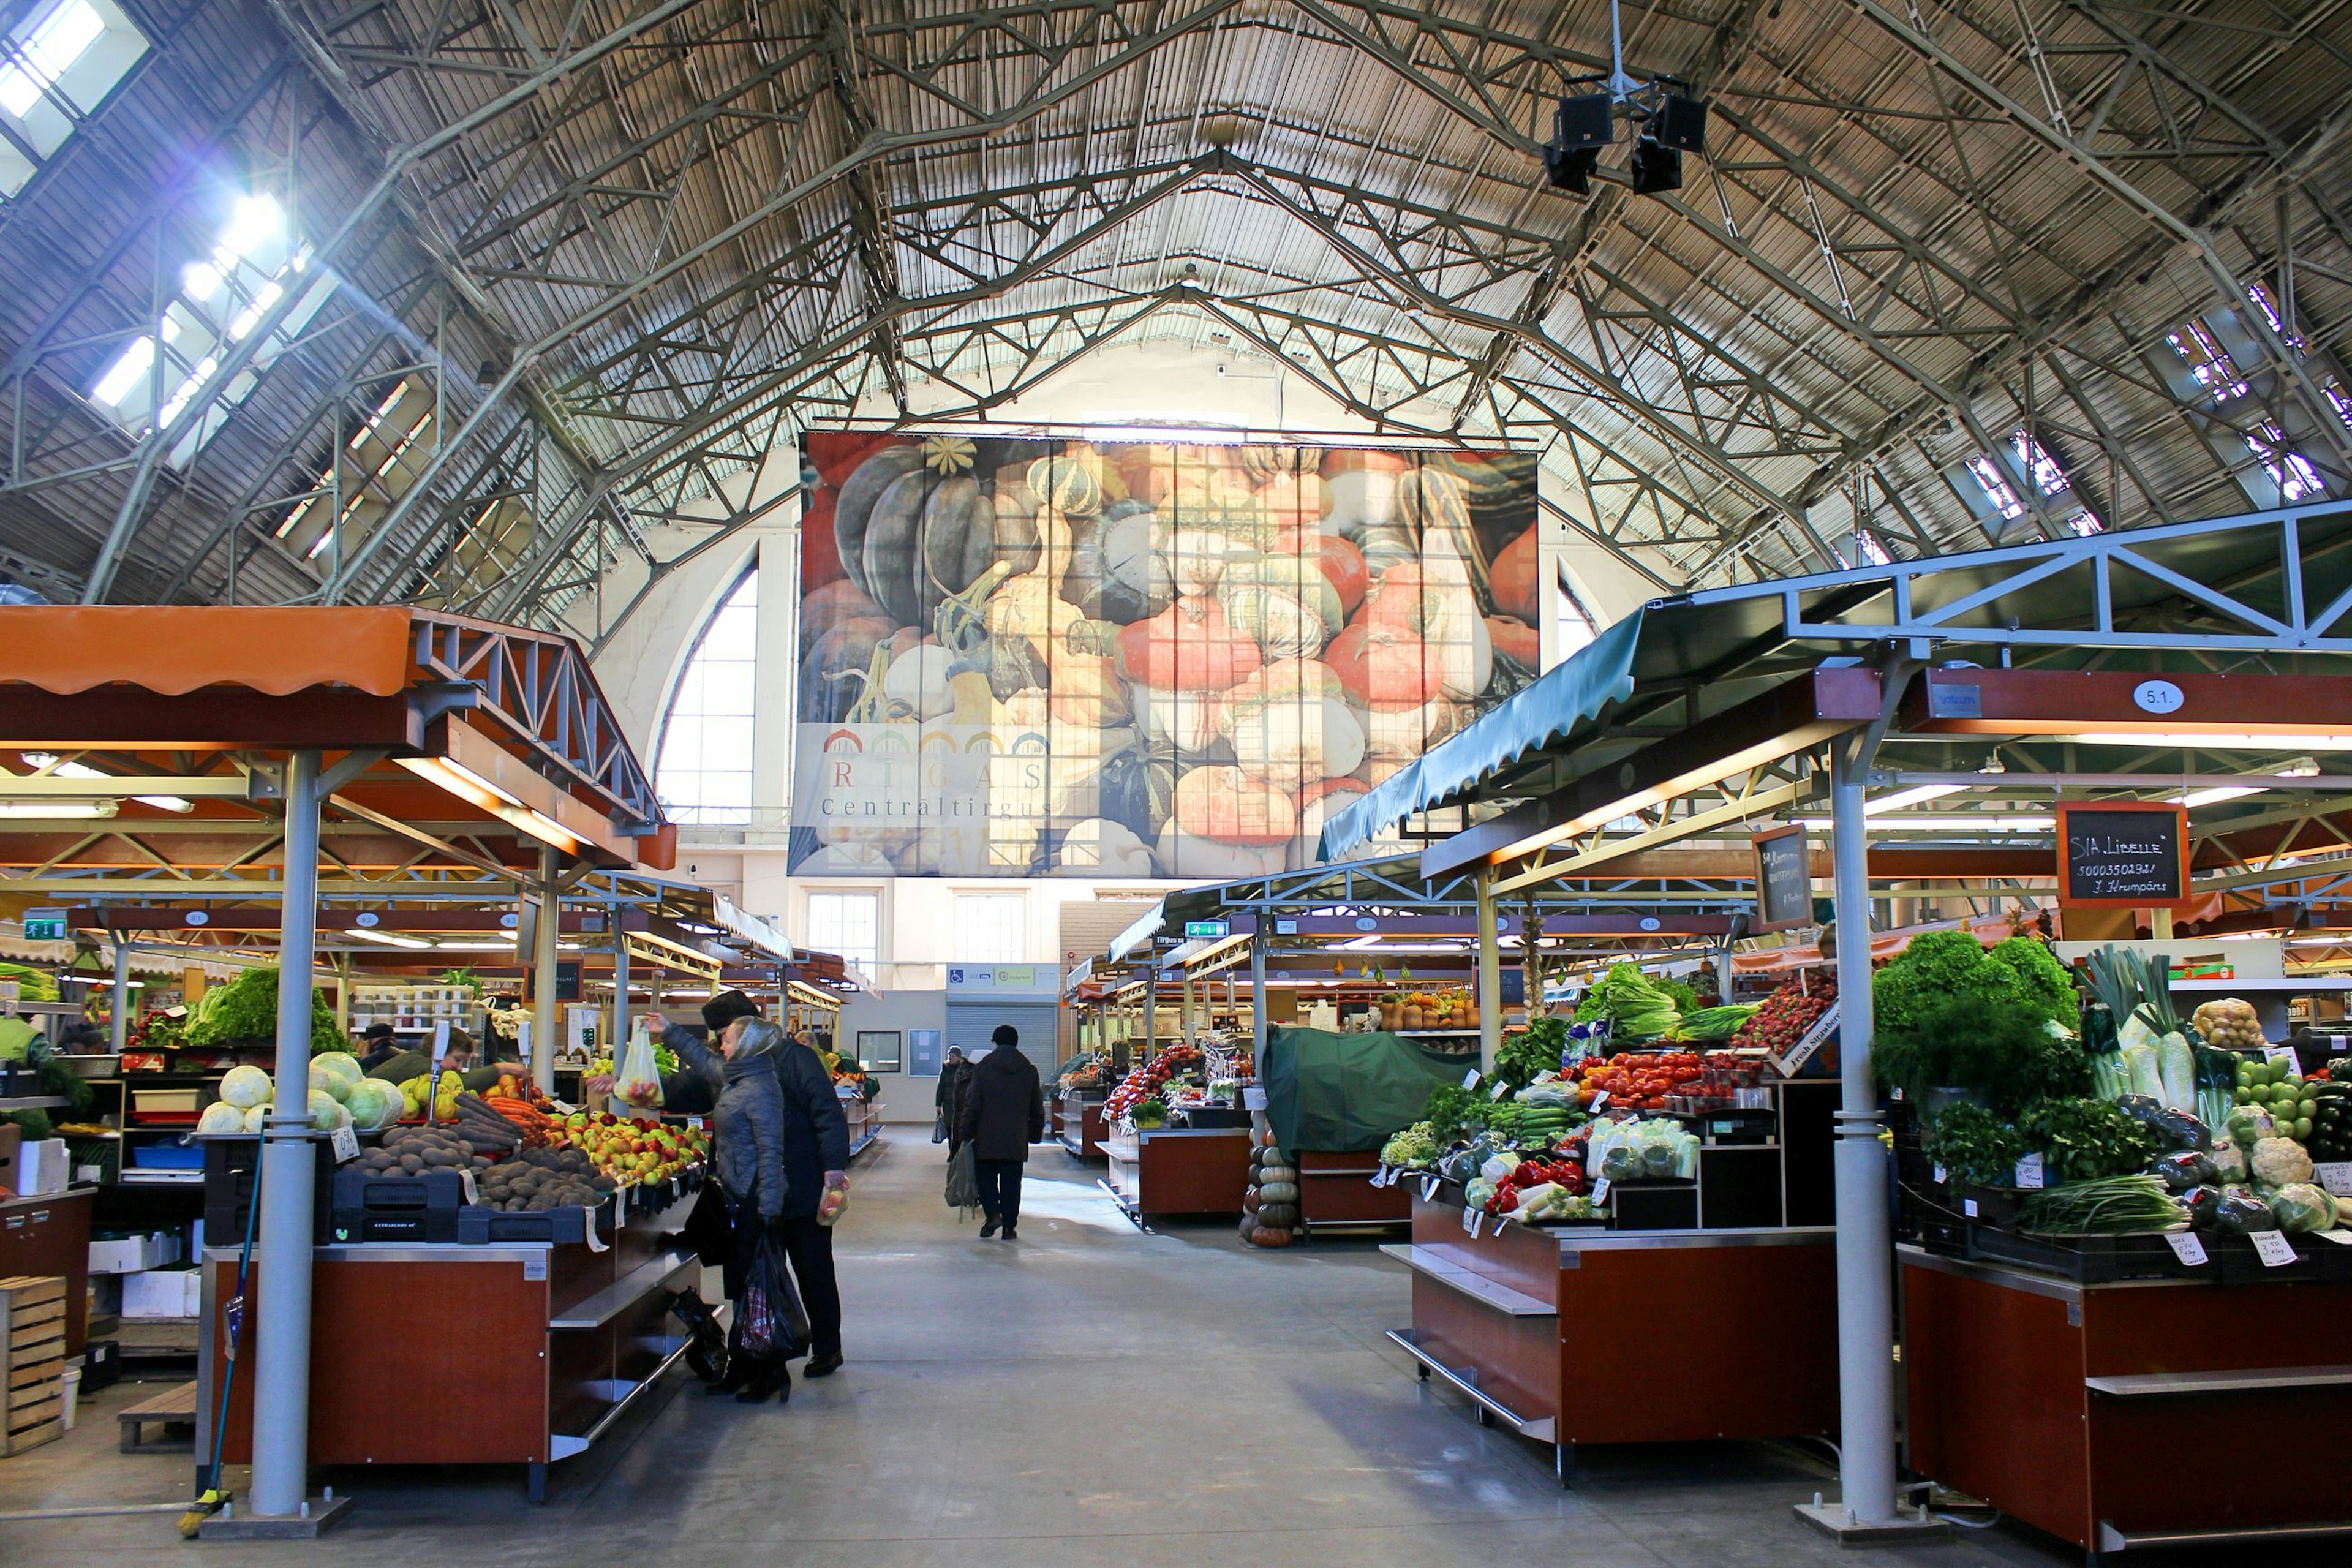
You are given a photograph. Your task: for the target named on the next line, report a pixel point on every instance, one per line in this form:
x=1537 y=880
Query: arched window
x=702 y=769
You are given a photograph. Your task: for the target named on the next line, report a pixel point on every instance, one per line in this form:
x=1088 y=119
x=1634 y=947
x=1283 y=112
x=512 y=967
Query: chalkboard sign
x=1784 y=878
x=2122 y=854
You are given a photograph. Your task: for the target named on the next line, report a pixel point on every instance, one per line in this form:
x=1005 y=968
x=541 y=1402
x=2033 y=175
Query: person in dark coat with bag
x=955 y=1077
x=748 y=1159
x=816 y=1172
x=1002 y=1113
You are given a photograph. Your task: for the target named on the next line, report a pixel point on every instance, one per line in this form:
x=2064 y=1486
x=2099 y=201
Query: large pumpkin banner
x=1024 y=657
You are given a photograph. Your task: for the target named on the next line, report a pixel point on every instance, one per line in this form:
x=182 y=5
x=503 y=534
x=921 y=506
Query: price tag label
x=1382 y=1177
x=2186 y=1246
x=1253 y=1097
x=2336 y=1175
x=2282 y=1054
x=1600 y=1192
x=1471 y=1220
x=695 y=1122
x=1940 y=1177
x=2340 y=1238
x=1502 y=1088
x=466 y=1184
x=1968 y=1207
x=1470 y=1078
x=1599 y=1099
x=2029 y=1172
x=2274 y=1249
x=1428 y=1188
x=345 y=1142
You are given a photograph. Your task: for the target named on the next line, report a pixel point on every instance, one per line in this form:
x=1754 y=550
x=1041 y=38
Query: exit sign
x=1208 y=928
x=45 y=925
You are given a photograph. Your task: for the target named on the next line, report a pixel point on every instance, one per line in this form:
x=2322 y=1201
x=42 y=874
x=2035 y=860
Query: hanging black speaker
x=1681 y=124
x=1583 y=122
x=1572 y=171
x=1655 y=169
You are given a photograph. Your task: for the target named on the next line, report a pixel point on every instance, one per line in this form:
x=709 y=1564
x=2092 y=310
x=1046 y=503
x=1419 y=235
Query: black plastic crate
x=482 y=1226
x=2091 y=1259
x=422 y=1208
x=1653 y=1205
x=231 y=1164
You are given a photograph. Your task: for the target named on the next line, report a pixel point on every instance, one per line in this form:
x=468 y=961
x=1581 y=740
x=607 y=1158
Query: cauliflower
x=2279 y=1161
x=2229 y=1161
x=1416 y=1145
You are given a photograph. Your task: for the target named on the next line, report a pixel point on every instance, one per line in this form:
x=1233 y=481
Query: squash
x=853 y=505
x=1225 y=805
x=1070 y=484
x=1250 y=1201
x=1278 y=1192
x=1278 y=1216
x=1197 y=558
x=1261 y=1236
x=1188 y=647
x=1384 y=667
x=1096 y=846
x=919 y=679
x=1291 y=723
x=827 y=690
x=1295 y=500
x=1363 y=496
x=1137 y=786
x=1432 y=504
x=1187 y=722
x=1087 y=691
x=1518 y=646
x=927 y=538
x=1186 y=854
x=1283 y=603
x=1117 y=570
x=1262 y=461
x=1279 y=1174
x=1397 y=735
x=1342 y=563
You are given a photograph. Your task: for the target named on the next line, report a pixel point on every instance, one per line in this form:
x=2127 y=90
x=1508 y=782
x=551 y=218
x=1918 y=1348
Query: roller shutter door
x=971 y=1023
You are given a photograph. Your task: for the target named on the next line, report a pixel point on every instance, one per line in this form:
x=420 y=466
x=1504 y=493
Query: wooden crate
x=32 y=1362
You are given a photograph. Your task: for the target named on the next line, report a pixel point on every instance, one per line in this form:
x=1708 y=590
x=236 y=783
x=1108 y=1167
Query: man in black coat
x=955 y=1078
x=816 y=1156
x=1004 y=1113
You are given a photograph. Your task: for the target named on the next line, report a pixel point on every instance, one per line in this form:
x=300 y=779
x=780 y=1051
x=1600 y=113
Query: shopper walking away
x=948 y=1098
x=1002 y=1113
x=816 y=1174
x=748 y=1155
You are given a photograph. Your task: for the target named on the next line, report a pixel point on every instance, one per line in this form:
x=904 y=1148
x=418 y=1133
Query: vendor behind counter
x=459 y=1058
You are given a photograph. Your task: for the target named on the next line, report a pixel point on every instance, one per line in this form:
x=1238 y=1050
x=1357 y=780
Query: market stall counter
x=1178 y=1171
x=47 y=1237
x=1525 y=1320
x=1078 y=1122
x=2103 y=1389
x=528 y=1351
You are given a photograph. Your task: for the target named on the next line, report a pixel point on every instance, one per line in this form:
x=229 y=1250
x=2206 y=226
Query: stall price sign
x=2335 y=1176
x=1791 y=1061
x=346 y=1143
x=1784 y=878
x=2275 y=1250
x=1600 y=1192
x=2186 y=1246
x=1428 y=1188
x=1471 y=1222
x=1470 y=1078
x=2283 y=1054
x=2029 y=1172
x=2130 y=855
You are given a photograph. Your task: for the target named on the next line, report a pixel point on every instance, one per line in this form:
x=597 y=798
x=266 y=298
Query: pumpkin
x=1262 y=461
x=1291 y=722
x=1278 y=1216
x=1320 y=800
x=1361 y=499
x=1283 y=603
x=1340 y=460
x=1249 y=1224
x=1342 y=564
x=1396 y=735
x=1250 y=1201
x=1069 y=484
x=1138 y=787
x=1263 y=1236
x=1278 y=1192
x=927 y=538
x=918 y=678
x=1384 y=667
x=828 y=689
x=1415 y=626
x=1087 y=691
x=1516 y=578
x=1226 y=804
x=1277 y=1173
x=1187 y=722
x=1192 y=646
x=853 y=505
x=1515 y=640
x=834 y=603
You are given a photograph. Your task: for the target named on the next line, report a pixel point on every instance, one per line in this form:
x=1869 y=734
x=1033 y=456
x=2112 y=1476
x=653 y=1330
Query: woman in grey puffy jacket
x=747 y=1156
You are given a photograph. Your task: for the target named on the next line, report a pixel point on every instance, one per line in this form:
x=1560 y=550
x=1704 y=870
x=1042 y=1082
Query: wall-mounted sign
x=2122 y=854
x=1208 y=929
x=1784 y=878
x=45 y=925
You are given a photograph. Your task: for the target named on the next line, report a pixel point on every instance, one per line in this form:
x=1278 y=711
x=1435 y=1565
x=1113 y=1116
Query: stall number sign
x=2123 y=855
x=45 y=925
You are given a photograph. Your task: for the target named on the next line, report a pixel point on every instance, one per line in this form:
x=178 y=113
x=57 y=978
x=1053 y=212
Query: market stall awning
x=2167 y=598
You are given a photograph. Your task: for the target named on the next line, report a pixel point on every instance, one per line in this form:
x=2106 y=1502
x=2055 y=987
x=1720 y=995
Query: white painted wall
x=904 y=1097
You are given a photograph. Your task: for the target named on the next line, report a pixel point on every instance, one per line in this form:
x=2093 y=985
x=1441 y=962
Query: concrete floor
x=1087 y=1396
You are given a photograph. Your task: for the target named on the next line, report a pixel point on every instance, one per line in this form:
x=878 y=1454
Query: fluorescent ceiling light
x=476 y=946
x=1950 y=822
x=388 y=938
x=2217 y=794
x=31 y=810
x=473 y=788
x=2232 y=743
x=1912 y=796
x=43 y=760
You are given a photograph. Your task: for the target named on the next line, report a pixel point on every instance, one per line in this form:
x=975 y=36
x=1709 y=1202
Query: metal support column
x=1490 y=975
x=281 y=1376
x=620 y=981
x=117 y=1028
x=1864 y=1236
x=543 y=974
x=1257 y=997
x=1190 y=1029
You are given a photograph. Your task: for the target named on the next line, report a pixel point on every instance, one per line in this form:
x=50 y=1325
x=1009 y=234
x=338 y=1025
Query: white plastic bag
x=636 y=1083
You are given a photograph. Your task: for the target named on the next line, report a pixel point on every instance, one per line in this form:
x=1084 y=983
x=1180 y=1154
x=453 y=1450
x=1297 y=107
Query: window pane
x=703 y=768
x=847 y=924
x=990 y=928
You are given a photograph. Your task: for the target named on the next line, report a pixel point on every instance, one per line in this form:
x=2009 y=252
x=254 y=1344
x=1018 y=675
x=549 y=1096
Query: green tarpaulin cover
x=1340 y=1093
